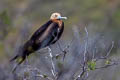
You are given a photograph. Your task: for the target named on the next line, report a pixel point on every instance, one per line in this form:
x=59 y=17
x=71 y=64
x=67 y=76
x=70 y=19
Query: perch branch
x=53 y=65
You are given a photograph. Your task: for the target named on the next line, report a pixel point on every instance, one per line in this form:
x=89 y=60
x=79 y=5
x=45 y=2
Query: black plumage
x=46 y=35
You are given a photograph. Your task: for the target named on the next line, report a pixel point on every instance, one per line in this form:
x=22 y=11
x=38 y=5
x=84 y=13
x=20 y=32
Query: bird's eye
x=55 y=15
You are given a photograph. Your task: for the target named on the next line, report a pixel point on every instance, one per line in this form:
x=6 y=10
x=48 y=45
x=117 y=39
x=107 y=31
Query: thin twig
x=87 y=74
x=86 y=43
x=94 y=51
x=108 y=65
x=42 y=76
x=84 y=56
x=65 y=50
x=53 y=65
x=108 y=53
x=59 y=46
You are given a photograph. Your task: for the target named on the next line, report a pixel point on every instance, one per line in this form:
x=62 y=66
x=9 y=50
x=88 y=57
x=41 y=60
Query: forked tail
x=21 y=60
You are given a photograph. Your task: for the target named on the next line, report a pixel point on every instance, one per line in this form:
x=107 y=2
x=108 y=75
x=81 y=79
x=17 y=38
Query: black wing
x=40 y=31
x=48 y=35
x=44 y=36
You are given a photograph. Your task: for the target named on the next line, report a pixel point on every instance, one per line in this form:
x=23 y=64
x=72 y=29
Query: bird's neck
x=59 y=22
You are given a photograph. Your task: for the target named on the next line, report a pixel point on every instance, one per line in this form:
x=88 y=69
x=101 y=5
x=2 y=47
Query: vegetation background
x=19 y=19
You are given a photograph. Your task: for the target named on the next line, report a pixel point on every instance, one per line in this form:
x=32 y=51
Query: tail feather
x=22 y=58
x=24 y=51
x=14 y=69
x=14 y=58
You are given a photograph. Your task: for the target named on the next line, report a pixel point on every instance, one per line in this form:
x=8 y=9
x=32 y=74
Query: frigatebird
x=45 y=36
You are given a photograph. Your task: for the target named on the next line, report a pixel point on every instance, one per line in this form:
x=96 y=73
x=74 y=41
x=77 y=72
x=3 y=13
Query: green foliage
x=5 y=17
x=107 y=62
x=91 y=65
x=45 y=76
x=57 y=57
x=26 y=74
x=60 y=65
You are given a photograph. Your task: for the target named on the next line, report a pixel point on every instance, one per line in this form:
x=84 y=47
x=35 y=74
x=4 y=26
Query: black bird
x=46 y=35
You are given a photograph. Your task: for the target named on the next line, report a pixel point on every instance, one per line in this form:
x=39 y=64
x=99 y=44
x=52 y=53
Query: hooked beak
x=62 y=17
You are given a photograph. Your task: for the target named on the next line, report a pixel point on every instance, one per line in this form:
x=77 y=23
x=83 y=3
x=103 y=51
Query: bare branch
x=53 y=65
x=108 y=65
x=86 y=43
x=65 y=50
x=84 y=57
x=108 y=53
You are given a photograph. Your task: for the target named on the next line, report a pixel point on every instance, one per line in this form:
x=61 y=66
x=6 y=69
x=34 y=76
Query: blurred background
x=19 y=19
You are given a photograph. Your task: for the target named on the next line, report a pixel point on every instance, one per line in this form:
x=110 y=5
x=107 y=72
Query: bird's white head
x=57 y=16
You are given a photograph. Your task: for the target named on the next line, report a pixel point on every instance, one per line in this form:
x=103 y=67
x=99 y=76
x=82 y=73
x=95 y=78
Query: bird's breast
x=59 y=22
